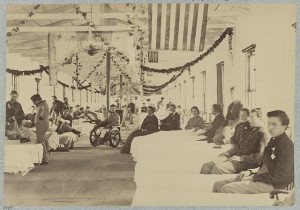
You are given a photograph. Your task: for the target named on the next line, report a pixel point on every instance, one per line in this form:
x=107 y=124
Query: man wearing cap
x=172 y=121
x=14 y=108
x=42 y=123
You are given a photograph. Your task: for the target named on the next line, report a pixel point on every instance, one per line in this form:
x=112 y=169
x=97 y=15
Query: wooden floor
x=84 y=176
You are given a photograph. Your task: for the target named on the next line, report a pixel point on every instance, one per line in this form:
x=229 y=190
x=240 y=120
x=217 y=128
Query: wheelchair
x=112 y=138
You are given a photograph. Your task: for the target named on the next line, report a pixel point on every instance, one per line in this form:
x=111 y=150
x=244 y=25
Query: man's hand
x=224 y=154
x=236 y=158
x=244 y=175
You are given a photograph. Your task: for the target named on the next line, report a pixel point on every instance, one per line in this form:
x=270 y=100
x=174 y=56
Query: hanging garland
x=41 y=70
x=228 y=31
x=151 y=89
x=26 y=72
x=16 y=28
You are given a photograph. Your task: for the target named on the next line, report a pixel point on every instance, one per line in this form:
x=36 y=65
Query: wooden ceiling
x=31 y=39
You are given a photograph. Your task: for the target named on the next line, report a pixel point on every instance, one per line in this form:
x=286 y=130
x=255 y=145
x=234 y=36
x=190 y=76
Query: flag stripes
x=177 y=26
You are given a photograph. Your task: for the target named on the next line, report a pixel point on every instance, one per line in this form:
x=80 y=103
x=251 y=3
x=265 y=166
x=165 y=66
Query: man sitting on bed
x=172 y=121
x=248 y=144
x=113 y=119
x=65 y=123
x=276 y=170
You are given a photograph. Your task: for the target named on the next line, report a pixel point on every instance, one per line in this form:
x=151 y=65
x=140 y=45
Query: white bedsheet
x=167 y=173
x=21 y=157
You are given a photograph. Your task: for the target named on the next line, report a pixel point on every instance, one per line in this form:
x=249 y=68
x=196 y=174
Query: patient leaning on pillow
x=248 y=143
x=276 y=170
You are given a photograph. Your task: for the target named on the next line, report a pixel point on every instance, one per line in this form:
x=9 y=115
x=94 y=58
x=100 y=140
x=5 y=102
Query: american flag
x=177 y=26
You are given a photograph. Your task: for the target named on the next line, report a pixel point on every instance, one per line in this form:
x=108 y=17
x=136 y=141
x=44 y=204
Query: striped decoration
x=177 y=26
x=153 y=56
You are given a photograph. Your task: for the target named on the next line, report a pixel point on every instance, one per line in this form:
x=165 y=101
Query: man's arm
x=44 y=113
x=256 y=157
x=278 y=167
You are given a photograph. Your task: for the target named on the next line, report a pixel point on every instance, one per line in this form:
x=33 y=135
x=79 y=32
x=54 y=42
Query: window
x=250 y=76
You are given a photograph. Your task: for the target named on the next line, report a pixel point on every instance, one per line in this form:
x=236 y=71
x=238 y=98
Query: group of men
x=261 y=163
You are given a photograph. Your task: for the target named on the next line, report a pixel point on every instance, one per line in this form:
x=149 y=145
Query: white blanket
x=21 y=157
x=167 y=173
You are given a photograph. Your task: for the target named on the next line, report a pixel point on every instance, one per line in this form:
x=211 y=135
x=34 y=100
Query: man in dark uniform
x=172 y=121
x=275 y=171
x=14 y=108
x=57 y=106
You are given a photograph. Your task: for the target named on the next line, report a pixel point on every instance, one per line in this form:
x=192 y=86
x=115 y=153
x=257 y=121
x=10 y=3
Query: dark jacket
x=233 y=111
x=150 y=123
x=57 y=107
x=279 y=161
x=216 y=124
x=249 y=147
x=14 y=109
x=171 y=122
x=68 y=117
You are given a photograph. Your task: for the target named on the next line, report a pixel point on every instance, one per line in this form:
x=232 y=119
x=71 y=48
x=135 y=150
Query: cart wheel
x=115 y=138
x=94 y=136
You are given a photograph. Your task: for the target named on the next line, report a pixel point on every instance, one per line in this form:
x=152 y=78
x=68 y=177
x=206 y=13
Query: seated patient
x=65 y=123
x=149 y=125
x=215 y=125
x=172 y=121
x=113 y=119
x=224 y=134
x=276 y=169
x=196 y=122
x=248 y=143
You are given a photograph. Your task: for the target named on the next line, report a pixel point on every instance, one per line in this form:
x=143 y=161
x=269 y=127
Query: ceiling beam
x=71 y=16
x=72 y=28
x=220 y=26
x=227 y=13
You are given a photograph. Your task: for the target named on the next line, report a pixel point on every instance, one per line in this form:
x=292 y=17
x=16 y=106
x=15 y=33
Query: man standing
x=248 y=143
x=276 y=170
x=131 y=111
x=41 y=123
x=172 y=121
x=14 y=108
x=57 y=107
x=160 y=104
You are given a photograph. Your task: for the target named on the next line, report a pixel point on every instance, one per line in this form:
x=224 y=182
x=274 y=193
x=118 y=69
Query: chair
x=288 y=189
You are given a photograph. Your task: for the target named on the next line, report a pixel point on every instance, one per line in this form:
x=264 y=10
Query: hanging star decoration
x=59 y=36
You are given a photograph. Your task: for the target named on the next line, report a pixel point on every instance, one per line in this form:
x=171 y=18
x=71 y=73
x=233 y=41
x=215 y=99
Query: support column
x=37 y=85
x=121 y=92
x=64 y=91
x=107 y=79
x=80 y=97
x=54 y=90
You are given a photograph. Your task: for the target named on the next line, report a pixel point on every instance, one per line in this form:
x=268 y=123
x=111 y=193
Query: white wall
x=269 y=27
